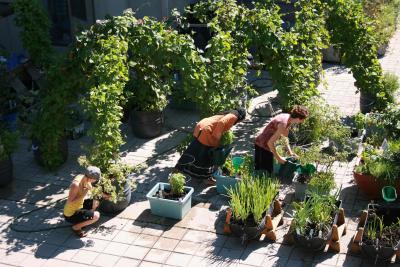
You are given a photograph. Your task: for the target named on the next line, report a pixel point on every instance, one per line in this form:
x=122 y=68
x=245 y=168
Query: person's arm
x=73 y=193
x=271 y=144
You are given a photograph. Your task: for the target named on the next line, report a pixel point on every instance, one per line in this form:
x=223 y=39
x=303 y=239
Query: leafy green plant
x=8 y=142
x=251 y=199
x=322 y=183
x=227 y=138
x=177 y=182
x=31 y=17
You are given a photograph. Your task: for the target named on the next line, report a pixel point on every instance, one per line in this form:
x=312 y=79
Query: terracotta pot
x=371 y=186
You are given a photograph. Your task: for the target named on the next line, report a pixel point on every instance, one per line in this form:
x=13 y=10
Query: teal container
x=224 y=183
x=167 y=207
x=389 y=193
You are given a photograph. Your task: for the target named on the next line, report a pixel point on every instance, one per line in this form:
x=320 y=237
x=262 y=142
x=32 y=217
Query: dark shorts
x=263 y=159
x=83 y=214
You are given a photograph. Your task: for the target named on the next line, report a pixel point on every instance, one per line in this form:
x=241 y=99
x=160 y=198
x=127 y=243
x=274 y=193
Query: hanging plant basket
x=147 y=124
x=6 y=171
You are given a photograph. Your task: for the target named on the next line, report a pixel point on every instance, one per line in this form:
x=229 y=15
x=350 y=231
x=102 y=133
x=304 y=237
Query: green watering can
x=389 y=193
x=237 y=162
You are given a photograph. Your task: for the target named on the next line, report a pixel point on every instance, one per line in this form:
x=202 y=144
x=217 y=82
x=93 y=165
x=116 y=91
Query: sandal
x=210 y=181
x=80 y=233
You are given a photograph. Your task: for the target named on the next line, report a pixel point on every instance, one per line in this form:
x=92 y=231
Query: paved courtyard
x=137 y=238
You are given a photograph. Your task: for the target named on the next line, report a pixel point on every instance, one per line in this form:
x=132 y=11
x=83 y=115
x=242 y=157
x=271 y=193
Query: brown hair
x=300 y=112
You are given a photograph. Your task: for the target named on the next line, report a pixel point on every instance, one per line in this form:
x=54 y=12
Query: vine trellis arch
x=154 y=51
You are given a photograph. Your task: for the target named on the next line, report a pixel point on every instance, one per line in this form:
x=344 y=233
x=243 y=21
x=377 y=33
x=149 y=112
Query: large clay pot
x=6 y=171
x=370 y=185
x=147 y=124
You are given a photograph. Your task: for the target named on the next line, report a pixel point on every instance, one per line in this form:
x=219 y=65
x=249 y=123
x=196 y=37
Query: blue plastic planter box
x=169 y=208
x=224 y=182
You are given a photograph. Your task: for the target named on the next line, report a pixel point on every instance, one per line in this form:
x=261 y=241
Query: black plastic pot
x=147 y=124
x=247 y=233
x=37 y=153
x=390 y=213
x=6 y=171
x=367 y=102
x=315 y=243
x=111 y=207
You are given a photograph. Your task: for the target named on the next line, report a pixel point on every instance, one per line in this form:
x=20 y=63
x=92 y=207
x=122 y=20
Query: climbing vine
x=35 y=30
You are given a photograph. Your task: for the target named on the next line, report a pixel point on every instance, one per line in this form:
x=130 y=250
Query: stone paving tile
x=106 y=260
x=65 y=253
x=206 y=250
x=96 y=245
x=149 y=264
x=125 y=237
x=166 y=244
x=178 y=259
x=187 y=247
x=157 y=255
x=175 y=233
x=348 y=261
x=275 y=261
x=326 y=258
x=136 y=252
x=55 y=262
x=127 y=262
x=146 y=240
x=255 y=259
x=154 y=229
x=115 y=248
x=13 y=258
x=85 y=256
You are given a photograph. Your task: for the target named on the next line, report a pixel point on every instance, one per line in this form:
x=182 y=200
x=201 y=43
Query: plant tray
x=170 y=208
x=272 y=221
x=224 y=182
x=357 y=247
x=333 y=241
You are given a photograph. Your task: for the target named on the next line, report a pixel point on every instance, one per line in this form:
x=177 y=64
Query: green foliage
x=246 y=169
x=31 y=17
x=252 y=198
x=8 y=142
x=315 y=212
x=354 y=34
x=177 y=182
x=114 y=181
x=322 y=183
x=384 y=15
x=390 y=86
x=323 y=123
x=227 y=138
x=106 y=80
x=8 y=96
x=48 y=127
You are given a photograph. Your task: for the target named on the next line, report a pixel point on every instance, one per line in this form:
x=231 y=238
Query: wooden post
x=355 y=242
x=272 y=221
x=338 y=230
x=227 y=228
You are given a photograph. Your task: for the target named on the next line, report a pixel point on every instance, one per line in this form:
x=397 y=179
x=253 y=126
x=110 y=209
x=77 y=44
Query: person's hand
x=294 y=155
x=281 y=160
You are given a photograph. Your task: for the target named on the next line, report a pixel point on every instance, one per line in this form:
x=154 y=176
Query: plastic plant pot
x=237 y=162
x=389 y=193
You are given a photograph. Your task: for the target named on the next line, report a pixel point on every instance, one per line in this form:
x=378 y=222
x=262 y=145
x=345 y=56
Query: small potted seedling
x=173 y=199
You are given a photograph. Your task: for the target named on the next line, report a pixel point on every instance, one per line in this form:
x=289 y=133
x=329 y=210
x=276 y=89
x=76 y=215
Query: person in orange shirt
x=196 y=161
x=265 y=141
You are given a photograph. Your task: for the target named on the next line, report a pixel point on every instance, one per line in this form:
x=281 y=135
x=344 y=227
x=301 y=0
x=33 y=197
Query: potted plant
x=152 y=51
x=377 y=168
x=250 y=202
x=313 y=220
x=8 y=144
x=231 y=172
x=118 y=183
x=75 y=125
x=171 y=200
x=381 y=236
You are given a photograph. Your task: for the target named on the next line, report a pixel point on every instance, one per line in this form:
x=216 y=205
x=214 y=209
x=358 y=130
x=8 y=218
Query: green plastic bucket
x=287 y=170
x=237 y=162
x=389 y=193
x=306 y=169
